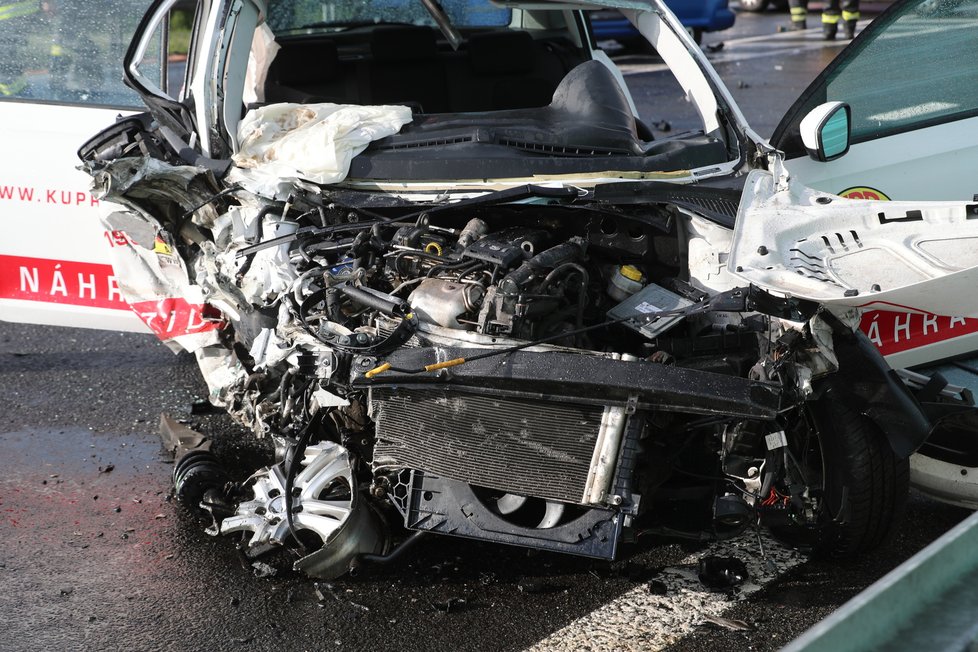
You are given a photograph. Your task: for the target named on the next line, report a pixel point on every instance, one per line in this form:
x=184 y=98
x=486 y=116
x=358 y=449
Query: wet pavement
x=95 y=555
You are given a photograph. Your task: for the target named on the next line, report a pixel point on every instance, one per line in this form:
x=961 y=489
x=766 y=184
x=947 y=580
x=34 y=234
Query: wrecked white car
x=442 y=263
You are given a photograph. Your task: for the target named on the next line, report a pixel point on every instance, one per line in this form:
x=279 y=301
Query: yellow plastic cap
x=631 y=272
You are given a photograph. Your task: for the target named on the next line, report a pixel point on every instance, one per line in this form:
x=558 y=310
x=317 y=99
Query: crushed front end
x=534 y=365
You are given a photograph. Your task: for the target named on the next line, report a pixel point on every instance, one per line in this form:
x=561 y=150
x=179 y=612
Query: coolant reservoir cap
x=631 y=272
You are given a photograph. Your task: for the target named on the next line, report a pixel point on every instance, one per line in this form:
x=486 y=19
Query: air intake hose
x=567 y=252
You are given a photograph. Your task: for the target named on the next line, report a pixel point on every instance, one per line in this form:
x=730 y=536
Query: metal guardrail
x=930 y=602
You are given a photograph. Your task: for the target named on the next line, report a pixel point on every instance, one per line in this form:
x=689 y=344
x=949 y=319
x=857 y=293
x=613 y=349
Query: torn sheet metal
x=283 y=143
x=152 y=275
x=226 y=378
x=153 y=278
x=852 y=252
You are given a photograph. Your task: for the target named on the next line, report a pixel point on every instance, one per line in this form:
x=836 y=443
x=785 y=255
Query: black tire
x=755 y=6
x=864 y=485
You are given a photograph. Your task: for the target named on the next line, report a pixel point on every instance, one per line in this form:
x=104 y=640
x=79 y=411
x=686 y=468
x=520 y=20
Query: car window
x=290 y=15
x=67 y=51
x=914 y=67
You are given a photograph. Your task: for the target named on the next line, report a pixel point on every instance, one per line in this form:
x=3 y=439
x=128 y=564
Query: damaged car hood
x=913 y=256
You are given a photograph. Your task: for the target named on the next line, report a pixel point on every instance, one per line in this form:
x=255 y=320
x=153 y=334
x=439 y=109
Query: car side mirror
x=825 y=131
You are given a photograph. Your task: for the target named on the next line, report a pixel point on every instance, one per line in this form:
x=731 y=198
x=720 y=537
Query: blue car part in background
x=698 y=16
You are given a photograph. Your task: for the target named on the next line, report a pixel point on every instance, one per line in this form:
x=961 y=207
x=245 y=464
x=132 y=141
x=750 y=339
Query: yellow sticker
x=161 y=247
x=863 y=192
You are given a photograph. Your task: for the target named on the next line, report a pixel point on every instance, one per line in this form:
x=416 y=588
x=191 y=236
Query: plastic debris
x=264 y=570
x=722 y=572
x=657 y=587
x=728 y=623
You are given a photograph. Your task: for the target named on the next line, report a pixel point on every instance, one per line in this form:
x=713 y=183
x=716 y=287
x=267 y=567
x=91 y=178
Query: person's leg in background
x=799 y=14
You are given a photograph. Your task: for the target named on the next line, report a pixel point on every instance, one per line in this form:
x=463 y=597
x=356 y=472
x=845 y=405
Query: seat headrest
x=501 y=53
x=305 y=62
x=390 y=43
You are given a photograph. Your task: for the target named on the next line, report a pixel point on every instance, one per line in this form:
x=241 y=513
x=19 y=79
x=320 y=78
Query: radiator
x=556 y=450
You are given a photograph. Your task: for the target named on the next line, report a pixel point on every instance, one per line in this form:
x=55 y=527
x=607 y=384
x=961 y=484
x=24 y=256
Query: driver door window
x=913 y=88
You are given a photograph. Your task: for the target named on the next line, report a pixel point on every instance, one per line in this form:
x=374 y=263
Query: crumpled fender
x=865 y=383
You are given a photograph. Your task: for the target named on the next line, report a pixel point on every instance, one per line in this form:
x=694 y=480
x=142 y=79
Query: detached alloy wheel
x=860 y=484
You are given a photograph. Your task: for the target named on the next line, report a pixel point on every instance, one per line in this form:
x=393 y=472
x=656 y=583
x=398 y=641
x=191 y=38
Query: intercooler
x=556 y=450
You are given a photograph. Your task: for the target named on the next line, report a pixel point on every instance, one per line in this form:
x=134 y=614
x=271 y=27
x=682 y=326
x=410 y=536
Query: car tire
x=753 y=5
x=864 y=484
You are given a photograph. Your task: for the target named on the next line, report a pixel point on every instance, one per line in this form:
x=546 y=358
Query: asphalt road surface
x=95 y=556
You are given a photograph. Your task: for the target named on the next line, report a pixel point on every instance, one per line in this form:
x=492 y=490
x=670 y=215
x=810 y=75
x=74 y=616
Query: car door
x=912 y=83
x=204 y=112
x=60 y=84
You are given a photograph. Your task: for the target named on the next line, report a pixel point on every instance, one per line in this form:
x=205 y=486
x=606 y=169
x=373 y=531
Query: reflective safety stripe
x=25 y=8
x=13 y=88
x=850 y=15
x=831 y=19
x=798 y=11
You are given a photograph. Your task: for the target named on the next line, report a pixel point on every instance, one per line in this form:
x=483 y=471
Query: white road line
x=639 y=621
x=750 y=47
